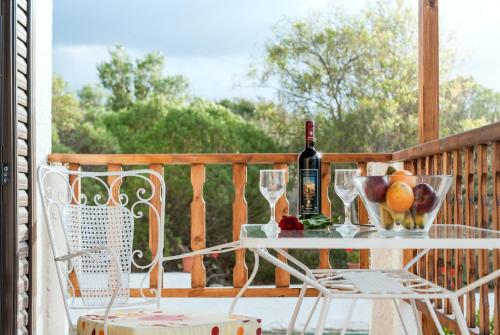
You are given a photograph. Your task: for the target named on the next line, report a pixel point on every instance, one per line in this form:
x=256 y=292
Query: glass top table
x=440 y=236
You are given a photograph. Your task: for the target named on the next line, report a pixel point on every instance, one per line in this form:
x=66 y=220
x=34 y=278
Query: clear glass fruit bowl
x=403 y=204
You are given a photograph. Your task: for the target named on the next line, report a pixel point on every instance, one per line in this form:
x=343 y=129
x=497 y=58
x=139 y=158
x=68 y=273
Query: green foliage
x=77 y=124
x=467 y=105
x=130 y=81
x=355 y=75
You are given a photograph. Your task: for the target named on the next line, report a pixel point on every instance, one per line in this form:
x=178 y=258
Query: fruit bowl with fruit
x=402 y=202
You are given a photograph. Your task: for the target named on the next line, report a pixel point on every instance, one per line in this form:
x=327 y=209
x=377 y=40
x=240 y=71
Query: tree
x=465 y=104
x=355 y=74
x=76 y=125
x=128 y=81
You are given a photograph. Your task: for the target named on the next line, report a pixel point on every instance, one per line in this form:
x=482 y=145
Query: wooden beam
x=468 y=139
x=174 y=159
x=428 y=71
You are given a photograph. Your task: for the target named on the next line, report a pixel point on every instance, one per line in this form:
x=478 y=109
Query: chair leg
x=296 y=310
x=400 y=315
x=348 y=318
x=459 y=317
x=434 y=317
x=323 y=315
x=417 y=318
x=311 y=313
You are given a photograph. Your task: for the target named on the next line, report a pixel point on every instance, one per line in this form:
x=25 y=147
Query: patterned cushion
x=158 y=322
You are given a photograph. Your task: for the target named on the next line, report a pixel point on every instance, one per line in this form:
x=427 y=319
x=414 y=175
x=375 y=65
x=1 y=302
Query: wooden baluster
x=438 y=254
x=458 y=218
x=470 y=218
x=495 y=168
x=115 y=186
x=281 y=277
x=482 y=222
x=428 y=327
x=421 y=172
x=114 y=182
x=75 y=199
x=428 y=266
x=429 y=258
x=240 y=217
x=448 y=219
x=409 y=254
x=154 y=223
x=326 y=209
x=364 y=254
x=198 y=273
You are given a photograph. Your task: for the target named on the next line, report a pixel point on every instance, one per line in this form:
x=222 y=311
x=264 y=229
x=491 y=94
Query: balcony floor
x=275 y=316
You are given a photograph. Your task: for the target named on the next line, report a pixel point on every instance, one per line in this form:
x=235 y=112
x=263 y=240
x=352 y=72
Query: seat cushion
x=159 y=322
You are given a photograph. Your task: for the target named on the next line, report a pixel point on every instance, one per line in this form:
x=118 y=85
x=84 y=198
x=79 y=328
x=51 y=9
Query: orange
x=399 y=197
x=404 y=176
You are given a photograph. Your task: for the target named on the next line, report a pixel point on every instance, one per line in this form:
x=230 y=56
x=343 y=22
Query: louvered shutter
x=17 y=155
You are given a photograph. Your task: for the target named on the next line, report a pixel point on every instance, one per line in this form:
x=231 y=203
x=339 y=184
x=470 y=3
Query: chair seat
x=160 y=322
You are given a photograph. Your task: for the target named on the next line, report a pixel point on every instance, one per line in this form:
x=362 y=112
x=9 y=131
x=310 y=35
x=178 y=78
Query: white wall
x=48 y=307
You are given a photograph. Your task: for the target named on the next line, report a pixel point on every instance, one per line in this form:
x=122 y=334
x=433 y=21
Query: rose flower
x=290 y=223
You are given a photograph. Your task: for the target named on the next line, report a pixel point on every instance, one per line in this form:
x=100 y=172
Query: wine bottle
x=309 y=176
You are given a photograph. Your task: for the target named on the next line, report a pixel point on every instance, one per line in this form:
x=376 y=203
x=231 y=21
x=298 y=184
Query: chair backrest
x=85 y=210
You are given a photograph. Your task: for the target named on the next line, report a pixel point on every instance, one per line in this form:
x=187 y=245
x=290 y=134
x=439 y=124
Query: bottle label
x=309 y=191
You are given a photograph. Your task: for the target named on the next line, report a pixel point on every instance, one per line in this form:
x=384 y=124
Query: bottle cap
x=310 y=130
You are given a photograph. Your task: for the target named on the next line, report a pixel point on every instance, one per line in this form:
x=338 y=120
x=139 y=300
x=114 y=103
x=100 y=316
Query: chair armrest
x=88 y=252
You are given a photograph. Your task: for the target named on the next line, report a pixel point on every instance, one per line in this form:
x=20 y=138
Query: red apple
x=425 y=198
x=375 y=188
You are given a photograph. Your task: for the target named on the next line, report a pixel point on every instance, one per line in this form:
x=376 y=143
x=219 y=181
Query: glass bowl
x=403 y=204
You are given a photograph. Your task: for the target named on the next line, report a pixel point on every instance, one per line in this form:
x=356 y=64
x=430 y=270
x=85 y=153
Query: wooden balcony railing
x=472 y=157
x=239 y=164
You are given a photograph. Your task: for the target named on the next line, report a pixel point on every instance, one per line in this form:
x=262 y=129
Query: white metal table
x=396 y=284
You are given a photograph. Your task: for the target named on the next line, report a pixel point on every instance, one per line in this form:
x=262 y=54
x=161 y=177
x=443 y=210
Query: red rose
x=290 y=223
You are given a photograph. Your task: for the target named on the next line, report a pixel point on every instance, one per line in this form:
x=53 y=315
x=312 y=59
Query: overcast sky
x=212 y=42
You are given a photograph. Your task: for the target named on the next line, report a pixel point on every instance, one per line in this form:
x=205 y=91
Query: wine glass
x=345 y=189
x=272 y=186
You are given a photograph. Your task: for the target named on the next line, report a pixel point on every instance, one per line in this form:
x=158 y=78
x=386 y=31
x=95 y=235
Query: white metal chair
x=96 y=223
x=90 y=218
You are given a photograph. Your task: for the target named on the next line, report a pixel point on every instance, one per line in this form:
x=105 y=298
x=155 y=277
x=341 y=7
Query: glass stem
x=347 y=208
x=272 y=213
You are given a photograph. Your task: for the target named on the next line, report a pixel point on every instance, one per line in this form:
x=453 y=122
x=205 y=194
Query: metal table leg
x=348 y=318
x=457 y=311
x=322 y=315
x=247 y=284
x=296 y=310
x=400 y=315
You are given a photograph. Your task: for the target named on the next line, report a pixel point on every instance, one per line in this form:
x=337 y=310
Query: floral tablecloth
x=159 y=322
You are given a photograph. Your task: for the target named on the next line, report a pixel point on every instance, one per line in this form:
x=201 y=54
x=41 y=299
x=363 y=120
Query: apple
x=375 y=188
x=425 y=198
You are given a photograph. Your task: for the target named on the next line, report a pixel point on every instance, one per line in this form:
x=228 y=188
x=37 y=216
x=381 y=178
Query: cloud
x=77 y=64
x=211 y=77
x=212 y=42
